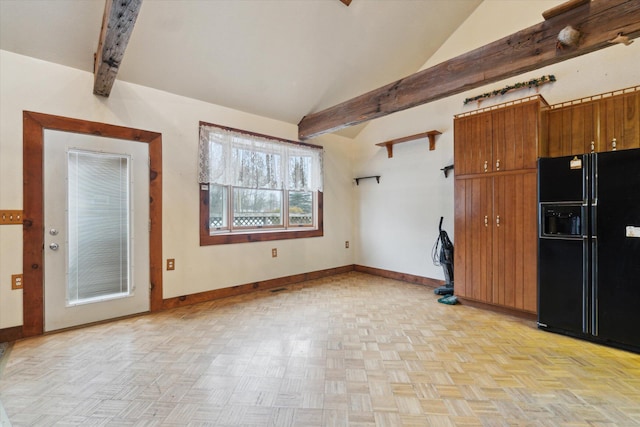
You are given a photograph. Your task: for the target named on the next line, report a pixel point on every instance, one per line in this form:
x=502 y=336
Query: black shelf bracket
x=446 y=170
x=377 y=177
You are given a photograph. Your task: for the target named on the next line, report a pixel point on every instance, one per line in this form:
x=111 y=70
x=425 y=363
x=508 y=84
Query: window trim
x=253 y=235
x=264 y=235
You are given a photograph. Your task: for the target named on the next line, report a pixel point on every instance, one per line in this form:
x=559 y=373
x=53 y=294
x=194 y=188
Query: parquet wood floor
x=347 y=350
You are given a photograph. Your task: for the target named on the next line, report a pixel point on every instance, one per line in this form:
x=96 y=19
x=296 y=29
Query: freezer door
x=563 y=179
x=563 y=285
x=616 y=257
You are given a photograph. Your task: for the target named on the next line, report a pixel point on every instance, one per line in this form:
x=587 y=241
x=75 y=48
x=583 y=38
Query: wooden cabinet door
x=572 y=129
x=463 y=141
x=472 y=245
x=620 y=119
x=483 y=135
x=515 y=136
x=514 y=261
x=530 y=242
x=472 y=144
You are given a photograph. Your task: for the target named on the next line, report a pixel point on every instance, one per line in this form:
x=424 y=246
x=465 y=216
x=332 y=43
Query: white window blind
x=238 y=159
x=98 y=226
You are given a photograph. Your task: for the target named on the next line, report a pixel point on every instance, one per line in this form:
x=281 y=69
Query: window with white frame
x=254 y=187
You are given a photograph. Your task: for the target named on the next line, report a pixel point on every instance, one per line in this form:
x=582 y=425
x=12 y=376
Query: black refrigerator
x=589 y=247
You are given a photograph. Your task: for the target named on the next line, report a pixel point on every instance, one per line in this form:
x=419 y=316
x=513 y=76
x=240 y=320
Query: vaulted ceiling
x=281 y=59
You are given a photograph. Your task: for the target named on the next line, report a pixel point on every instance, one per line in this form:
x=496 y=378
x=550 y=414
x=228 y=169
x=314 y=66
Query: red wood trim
x=261 y=236
x=155 y=216
x=252 y=287
x=405 y=277
x=33 y=192
x=11 y=334
x=32 y=226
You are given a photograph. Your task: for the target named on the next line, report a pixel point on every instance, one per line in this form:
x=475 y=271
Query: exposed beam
x=117 y=25
x=563 y=8
x=535 y=47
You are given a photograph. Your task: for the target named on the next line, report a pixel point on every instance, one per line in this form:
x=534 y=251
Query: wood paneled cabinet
x=593 y=125
x=496 y=206
x=496 y=240
x=498 y=140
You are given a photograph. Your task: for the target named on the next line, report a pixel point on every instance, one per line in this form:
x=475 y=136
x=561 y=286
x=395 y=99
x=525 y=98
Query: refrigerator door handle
x=585 y=286
x=594 y=286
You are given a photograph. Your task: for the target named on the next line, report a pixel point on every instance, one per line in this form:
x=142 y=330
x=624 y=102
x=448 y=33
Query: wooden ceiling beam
x=117 y=25
x=535 y=47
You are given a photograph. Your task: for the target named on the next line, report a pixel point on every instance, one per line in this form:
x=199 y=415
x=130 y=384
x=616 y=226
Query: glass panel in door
x=98 y=226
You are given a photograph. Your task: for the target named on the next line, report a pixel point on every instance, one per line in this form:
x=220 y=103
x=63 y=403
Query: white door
x=96 y=226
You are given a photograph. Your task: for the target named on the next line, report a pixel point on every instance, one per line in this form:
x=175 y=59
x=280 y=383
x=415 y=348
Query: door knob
x=53 y=246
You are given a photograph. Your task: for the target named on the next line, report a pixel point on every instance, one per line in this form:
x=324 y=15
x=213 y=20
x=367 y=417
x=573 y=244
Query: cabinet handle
x=486 y=220
x=486 y=165
x=498 y=221
x=593 y=146
x=498 y=165
x=613 y=145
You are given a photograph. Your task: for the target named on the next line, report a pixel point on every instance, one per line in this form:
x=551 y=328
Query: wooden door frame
x=34 y=125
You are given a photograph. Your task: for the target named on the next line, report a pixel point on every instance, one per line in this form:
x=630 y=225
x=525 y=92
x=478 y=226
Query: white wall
x=396 y=220
x=34 y=85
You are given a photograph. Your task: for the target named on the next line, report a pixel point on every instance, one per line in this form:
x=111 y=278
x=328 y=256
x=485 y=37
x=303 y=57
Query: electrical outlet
x=16 y=281
x=346 y=244
x=171 y=264
x=274 y=253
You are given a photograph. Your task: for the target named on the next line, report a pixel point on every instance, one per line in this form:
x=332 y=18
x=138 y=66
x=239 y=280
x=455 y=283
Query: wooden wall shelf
x=432 y=141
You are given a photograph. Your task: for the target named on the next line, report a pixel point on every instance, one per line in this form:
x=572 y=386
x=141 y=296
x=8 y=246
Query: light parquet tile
x=348 y=350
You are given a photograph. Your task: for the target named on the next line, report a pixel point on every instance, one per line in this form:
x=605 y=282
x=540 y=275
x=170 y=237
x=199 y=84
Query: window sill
x=259 y=236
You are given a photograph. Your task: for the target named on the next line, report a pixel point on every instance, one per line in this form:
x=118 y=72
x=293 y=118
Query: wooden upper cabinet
x=591 y=125
x=515 y=136
x=472 y=146
x=497 y=139
x=571 y=130
x=620 y=119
